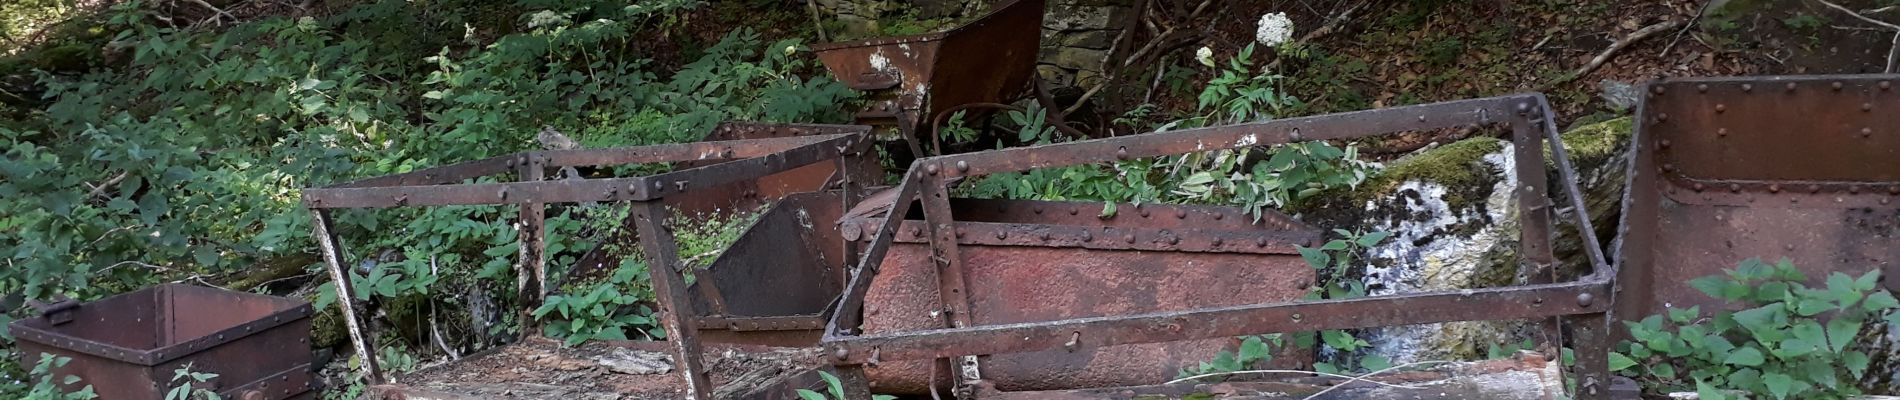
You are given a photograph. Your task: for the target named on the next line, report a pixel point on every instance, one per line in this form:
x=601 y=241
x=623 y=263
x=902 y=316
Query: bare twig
x=1685 y=27
x=816 y=23
x=1893 y=51
x=1886 y=24
x=220 y=11
x=1619 y=45
x=435 y=327
x=101 y=188
x=1348 y=378
x=1315 y=395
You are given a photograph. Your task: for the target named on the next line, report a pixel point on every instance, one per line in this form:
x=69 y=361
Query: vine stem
x=1349 y=378
x=1315 y=395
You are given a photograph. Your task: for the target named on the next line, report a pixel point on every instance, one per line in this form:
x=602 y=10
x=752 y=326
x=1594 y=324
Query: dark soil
x=539 y=368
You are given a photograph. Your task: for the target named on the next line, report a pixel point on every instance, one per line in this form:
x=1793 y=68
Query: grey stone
x=1055 y=75
x=1097 y=39
x=1074 y=58
x=1620 y=95
x=1067 y=18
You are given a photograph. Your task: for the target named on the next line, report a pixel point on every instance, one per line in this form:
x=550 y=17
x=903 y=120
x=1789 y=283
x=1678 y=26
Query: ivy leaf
x=1375 y=362
x=807 y=394
x=1759 y=318
x=1778 y=384
x=1867 y=281
x=1705 y=392
x=152 y=206
x=1252 y=349
x=1840 y=332
x=1841 y=288
x=1881 y=300
x=1325 y=367
x=1746 y=356
x=1856 y=363
x=831 y=382
x=1314 y=257
x=1372 y=238
x=1619 y=362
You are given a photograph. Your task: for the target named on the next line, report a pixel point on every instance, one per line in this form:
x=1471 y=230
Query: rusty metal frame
x=732 y=161
x=1529 y=116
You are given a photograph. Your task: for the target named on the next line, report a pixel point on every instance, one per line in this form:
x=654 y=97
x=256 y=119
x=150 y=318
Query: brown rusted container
x=1033 y=261
x=992 y=60
x=771 y=286
x=128 y=346
x=1726 y=169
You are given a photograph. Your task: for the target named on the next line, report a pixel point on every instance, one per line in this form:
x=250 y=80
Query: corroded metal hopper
x=1726 y=169
x=990 y=60
x=1029 y=261
x=128 y=346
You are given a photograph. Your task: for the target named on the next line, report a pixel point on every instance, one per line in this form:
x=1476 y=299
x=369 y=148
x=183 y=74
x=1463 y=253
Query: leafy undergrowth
x=1787 y=341
x=182 y=155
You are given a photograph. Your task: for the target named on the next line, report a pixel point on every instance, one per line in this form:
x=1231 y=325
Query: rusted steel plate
x=778 y=276
x=1517 y=302
x=1529 y=376
x=1726 y=169
x=127 y=346
x=820 y=148
x=1045 y=271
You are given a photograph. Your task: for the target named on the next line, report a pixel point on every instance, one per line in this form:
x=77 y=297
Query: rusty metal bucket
x=1726 y=169
x=128 y=346
x=771 y=286
x=1030 y=261
x=1079 y=296
x=910 y=77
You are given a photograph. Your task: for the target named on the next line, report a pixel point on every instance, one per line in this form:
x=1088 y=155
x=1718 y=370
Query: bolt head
x=1586 y=299
x=963 y=166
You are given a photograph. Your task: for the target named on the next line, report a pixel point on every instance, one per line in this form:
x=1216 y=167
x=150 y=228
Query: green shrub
x=1787 y=341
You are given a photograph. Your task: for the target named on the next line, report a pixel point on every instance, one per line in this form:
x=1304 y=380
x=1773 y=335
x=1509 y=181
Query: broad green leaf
x=1746 y=356
x=1314 y=257
x=831 y=382
x=1778 y=384
x=1856 y=363
x=1867 y=281
x=1619 y=362
x=807 y=394
x=1840 y=332
x=1713 y=286
x=1252 y=349
x=1841 y=288
x=1881 y=300
x=1372 y=238
x=1705 y=392
x=1758 y=318
x=1325 y=367
x=1375 y=362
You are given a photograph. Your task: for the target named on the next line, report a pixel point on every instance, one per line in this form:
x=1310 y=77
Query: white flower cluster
x=1275 y=29
x=1205 y=56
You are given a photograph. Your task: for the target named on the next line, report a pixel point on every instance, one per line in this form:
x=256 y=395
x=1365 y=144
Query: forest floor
x=1423 y=51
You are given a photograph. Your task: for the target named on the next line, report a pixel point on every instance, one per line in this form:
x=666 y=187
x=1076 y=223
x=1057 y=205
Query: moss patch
x=1459 y=166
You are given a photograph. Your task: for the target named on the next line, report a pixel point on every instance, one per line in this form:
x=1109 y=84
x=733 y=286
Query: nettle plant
x=1787 y=341
x=1332 y=264
x=1254 y=179
x=596 y=313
